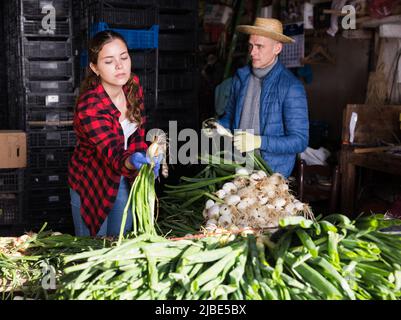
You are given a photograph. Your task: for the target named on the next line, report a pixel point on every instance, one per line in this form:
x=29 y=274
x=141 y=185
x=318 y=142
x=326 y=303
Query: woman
x=109 y=125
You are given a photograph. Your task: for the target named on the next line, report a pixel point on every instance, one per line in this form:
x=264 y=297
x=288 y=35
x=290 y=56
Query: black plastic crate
x=46 y=199
x=40 y=139
x=33 y=8
x=47 y=49
x=123 y=17
x=57 y=219
x=33 y=100
x=177 y=22
x=161 y=121
x=47 y=179
x=176 y=42
x=147 y=79
x=10 y=208
x=49 y=158
x=11 y=180
x=48 y=70
x=126 y=3
x=172 y=82
x=174 y=102
x=33 y=28
x=47 y=118
x=50 y=86
x=143 y=59
x=149 y=101
x=168 y=61
x=178 y=4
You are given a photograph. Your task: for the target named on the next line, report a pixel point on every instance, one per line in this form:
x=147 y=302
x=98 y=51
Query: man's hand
x=208 y=127
x=245 y=141
x=211 y=127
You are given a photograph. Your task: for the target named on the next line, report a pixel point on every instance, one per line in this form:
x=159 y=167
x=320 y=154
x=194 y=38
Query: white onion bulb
x=213 y=212
x=229 y=187
x=242 y=171
x=262 y=174
x=256 y=177
x=232 y=200
x=242 y=205
x=209 y=204
x=224 y=209
x=279 y=203
x=221 y=194
x=225 y=220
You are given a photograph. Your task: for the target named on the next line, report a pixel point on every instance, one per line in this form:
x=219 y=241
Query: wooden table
x=376 y=124
x=379 y=161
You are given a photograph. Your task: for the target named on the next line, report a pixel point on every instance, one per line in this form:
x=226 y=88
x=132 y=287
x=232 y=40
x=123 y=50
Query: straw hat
x=271 y=28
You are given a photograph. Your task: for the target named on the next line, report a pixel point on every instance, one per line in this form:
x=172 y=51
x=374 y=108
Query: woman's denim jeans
x=111 y=226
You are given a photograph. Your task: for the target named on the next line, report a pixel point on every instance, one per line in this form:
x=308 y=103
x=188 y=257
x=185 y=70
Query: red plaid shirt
x=97 y=164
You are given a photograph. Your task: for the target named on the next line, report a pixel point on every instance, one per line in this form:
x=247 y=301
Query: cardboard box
x=12 y=149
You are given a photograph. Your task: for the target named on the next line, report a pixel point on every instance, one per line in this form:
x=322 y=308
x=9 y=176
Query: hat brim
x=265 y=33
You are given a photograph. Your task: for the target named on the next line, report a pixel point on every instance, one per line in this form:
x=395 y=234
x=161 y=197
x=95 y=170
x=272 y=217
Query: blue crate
x=136 y=39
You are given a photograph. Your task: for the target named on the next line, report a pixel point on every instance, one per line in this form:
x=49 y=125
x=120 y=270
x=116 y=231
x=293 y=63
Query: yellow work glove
x=245 y=141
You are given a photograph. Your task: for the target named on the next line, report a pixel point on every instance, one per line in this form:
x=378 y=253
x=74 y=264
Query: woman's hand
x=138 y=159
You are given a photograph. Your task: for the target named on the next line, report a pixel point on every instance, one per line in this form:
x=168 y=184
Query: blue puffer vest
x=284 y=124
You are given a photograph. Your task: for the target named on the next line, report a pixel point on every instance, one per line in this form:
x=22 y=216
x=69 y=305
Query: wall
x=334 y=86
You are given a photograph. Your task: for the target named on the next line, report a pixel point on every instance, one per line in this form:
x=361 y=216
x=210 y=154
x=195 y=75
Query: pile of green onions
x=190 y=195
x=332 y=258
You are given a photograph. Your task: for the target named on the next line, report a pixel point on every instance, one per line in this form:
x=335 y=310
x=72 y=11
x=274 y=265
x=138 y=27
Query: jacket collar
x=244 y=73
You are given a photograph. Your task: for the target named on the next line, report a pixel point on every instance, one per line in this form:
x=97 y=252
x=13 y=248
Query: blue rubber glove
x=138 y=159
x=157 y=161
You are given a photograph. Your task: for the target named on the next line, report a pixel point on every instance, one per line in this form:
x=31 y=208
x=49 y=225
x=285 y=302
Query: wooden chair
x=318 y=183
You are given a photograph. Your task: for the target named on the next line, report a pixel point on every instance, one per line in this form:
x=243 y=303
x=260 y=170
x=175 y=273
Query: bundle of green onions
x=142 y=197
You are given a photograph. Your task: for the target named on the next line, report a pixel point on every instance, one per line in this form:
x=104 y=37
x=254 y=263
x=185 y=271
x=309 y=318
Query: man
x=268 y=100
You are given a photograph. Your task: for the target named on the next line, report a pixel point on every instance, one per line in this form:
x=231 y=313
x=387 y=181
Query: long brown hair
x=91 y=80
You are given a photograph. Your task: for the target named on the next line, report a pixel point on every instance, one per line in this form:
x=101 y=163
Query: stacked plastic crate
x=137 y=22
x=3 y=72
x=11 y=199
x=41 y=85
x=177 y=85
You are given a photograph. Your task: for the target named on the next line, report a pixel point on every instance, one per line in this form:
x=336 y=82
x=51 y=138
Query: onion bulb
x=209 y=204
x=229 y=187
x=221 y=194
x=232 y=200
x=242 y=171
x=214 y=212
x=279 y=203
x=225 y=220
x=224 y=209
